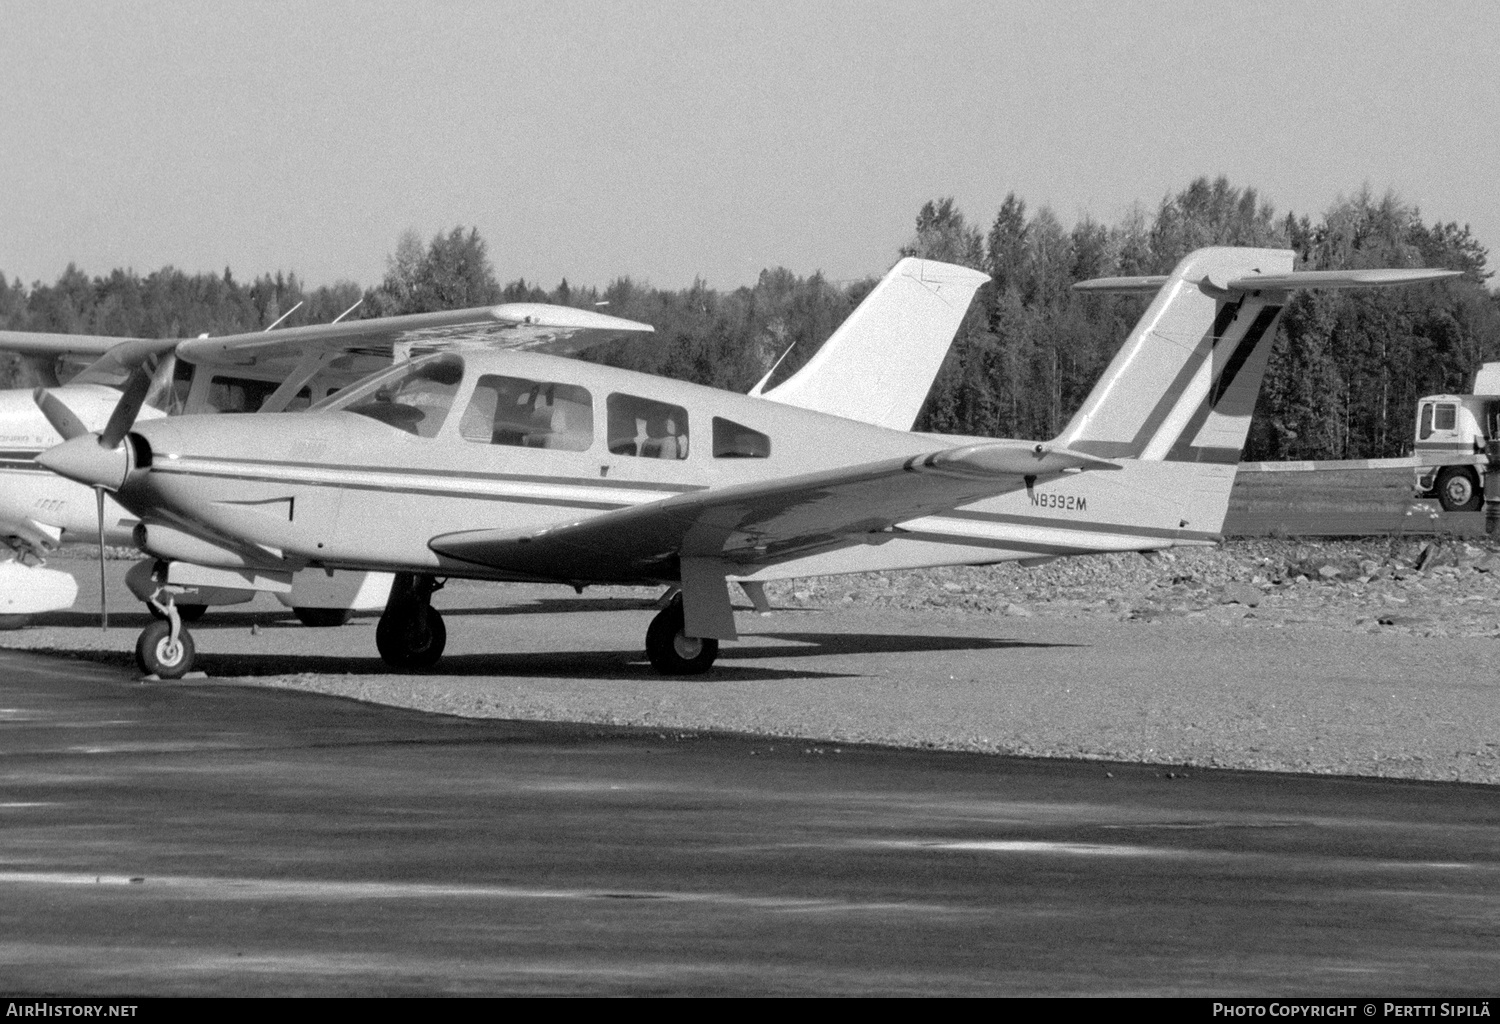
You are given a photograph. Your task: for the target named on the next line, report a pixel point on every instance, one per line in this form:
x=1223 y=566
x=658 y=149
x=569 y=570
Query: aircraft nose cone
x=85 y=460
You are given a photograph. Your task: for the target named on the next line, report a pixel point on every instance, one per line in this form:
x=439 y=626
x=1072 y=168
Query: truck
x=1451 y=431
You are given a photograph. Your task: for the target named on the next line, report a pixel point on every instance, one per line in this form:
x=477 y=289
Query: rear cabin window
x=735 y=441
x=1447 y=416
x=529 y=414
x=647 y=429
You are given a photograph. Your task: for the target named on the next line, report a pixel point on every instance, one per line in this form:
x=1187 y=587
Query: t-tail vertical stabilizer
x=1184 y=384
x=881 y=362
x=1174 y=405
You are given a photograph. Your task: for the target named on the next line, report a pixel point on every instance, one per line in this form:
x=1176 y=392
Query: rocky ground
x=1427 y=587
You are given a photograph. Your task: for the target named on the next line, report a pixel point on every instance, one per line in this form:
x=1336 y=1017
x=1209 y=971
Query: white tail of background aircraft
x=881 y=362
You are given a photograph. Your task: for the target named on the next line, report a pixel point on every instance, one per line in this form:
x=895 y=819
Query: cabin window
x=238 y=394
x=1447 y=416
x=734 y=441
x=646 y=428
x=529 y=414
x=414 y=396
x=1424 y=428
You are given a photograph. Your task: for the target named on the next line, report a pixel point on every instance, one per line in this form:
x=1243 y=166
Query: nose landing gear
x=165 y=647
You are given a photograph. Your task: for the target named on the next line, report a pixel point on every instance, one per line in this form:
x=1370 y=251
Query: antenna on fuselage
x=357 y=303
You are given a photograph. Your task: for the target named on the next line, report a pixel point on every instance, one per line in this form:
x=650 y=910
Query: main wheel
x=1458 y=490
x=410 y=639
x=185 y=612
x=323 y=616
x=157 y=655
x=671 y=652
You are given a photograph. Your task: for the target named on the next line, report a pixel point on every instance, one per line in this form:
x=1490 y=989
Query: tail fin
x=880 y=363
x=1184 y=384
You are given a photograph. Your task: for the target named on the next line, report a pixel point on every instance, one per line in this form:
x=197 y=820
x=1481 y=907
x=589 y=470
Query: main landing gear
x=411 y=634
x=671 y=652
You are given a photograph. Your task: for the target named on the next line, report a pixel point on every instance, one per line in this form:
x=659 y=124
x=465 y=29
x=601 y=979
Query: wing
x=765 y=522
x=560 y=330
x=34 y=343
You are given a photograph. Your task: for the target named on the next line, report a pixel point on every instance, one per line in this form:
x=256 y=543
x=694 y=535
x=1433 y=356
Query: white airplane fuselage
x=341 y=490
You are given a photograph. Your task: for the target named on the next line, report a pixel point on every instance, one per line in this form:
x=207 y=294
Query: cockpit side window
x=1424 y=429
x=529 y=414
x=414 y=397
x=735 y=441
x=646 y=428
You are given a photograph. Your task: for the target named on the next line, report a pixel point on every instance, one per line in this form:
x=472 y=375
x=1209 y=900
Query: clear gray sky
x=666 y=140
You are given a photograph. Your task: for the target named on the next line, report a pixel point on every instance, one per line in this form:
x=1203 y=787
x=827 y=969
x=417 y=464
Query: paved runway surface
x=200 y=838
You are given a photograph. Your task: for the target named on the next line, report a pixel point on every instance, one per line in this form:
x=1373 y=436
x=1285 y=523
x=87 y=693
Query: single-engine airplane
x=525 y=467
x=253 y=372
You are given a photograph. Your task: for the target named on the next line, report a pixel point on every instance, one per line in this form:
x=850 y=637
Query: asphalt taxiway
x=203 y=838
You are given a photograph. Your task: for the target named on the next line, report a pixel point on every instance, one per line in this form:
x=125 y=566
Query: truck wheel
x=1458 y=490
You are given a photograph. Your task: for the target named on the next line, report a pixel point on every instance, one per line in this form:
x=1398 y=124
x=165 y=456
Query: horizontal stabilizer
x=1382 y=278
x=1338 y=279
x=1121 y=285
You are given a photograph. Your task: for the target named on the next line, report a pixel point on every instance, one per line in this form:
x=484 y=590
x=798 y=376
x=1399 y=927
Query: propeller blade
x=103 y=596
x=63 y=419
x=123 y=418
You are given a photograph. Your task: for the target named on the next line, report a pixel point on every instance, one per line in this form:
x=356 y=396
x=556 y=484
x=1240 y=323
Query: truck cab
x=1457 y=426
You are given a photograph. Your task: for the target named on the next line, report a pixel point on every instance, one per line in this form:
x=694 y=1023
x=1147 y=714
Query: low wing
x=764 y=522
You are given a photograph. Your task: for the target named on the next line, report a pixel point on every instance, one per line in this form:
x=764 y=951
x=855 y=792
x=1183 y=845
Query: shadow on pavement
x=588 y=665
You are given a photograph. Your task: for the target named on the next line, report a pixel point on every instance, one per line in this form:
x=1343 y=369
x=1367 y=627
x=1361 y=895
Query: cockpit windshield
x=413 y=396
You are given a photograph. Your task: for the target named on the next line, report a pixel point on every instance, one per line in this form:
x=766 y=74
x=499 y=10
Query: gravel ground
x=1350 y=657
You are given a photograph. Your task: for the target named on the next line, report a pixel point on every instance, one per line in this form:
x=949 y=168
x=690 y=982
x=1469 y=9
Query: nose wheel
x=672 y=653
x=165 y=649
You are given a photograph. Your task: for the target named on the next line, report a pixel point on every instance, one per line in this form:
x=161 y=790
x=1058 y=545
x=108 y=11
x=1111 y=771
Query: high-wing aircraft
x=268 y=372
x=526 y=467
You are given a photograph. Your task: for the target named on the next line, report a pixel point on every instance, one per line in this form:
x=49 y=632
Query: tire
x=185 y=612
x=157 y=656
x=406 y=644
x=671 y=652
x=320 y=617
x=1458 y=490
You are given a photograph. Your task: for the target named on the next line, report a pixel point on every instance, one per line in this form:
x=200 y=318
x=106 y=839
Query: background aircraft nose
x=84 y=459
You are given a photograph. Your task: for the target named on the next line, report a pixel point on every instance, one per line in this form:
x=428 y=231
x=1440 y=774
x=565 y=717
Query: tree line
x=1346 y=367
